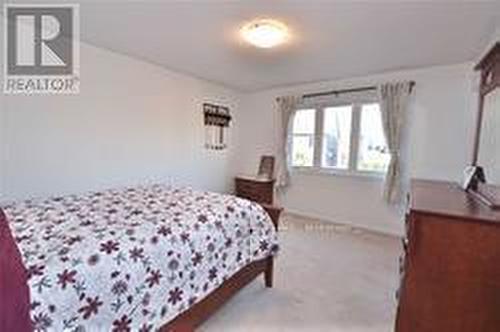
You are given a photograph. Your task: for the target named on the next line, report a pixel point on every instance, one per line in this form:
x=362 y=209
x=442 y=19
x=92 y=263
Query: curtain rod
x=337 y=92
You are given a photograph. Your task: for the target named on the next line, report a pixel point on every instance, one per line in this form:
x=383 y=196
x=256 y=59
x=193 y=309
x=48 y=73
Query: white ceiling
x=332 y=39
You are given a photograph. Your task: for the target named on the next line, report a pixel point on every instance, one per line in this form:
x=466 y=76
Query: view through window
x=336 y=136
x=373 y=153
x=303 y=138
x=346 y=137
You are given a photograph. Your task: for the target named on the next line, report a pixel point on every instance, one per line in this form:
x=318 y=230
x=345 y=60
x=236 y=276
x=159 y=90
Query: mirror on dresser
x=487 y=144
x=489 y=139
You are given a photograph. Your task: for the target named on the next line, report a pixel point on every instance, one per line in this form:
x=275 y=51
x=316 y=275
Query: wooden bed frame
x=201 y=311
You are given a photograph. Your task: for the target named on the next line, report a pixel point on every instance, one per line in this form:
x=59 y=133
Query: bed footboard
x=274 y=212
x=201 y=311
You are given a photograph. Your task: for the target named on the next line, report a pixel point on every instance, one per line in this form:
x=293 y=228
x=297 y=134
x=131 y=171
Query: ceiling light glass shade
x=265 y=33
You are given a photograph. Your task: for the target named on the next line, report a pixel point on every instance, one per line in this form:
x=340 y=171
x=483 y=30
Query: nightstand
x=260 y=190
x=274 y=212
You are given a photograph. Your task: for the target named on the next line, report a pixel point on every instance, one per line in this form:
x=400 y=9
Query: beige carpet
x=327 y=278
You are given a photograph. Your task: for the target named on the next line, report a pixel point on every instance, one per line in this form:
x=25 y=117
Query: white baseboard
x=375 y=229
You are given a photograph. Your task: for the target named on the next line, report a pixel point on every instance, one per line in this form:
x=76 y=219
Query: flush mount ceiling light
x=265 y=33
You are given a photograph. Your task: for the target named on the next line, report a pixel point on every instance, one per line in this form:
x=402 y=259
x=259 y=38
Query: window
x=336 y=137
x=373 y=153
x=303 y=138
x=347 y=138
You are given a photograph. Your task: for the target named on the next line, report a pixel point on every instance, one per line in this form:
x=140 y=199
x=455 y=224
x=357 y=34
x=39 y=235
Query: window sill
x=338 y=172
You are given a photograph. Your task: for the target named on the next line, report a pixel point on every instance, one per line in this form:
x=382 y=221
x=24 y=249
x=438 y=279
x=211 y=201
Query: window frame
x=352 y=170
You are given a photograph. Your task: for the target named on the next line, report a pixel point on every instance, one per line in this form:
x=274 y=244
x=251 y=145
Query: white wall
x=440 y=133
x=3 y=152
x=132 y=122
x=493 y=38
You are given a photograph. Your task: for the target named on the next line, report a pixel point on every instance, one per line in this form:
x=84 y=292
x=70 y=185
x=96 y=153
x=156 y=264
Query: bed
x=136 y=259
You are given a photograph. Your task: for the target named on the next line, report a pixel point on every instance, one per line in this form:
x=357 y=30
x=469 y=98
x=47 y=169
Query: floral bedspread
x=132 y=259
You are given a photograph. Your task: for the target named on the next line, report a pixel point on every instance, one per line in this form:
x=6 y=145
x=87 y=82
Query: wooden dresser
x=255 y=189
x=450 y=268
